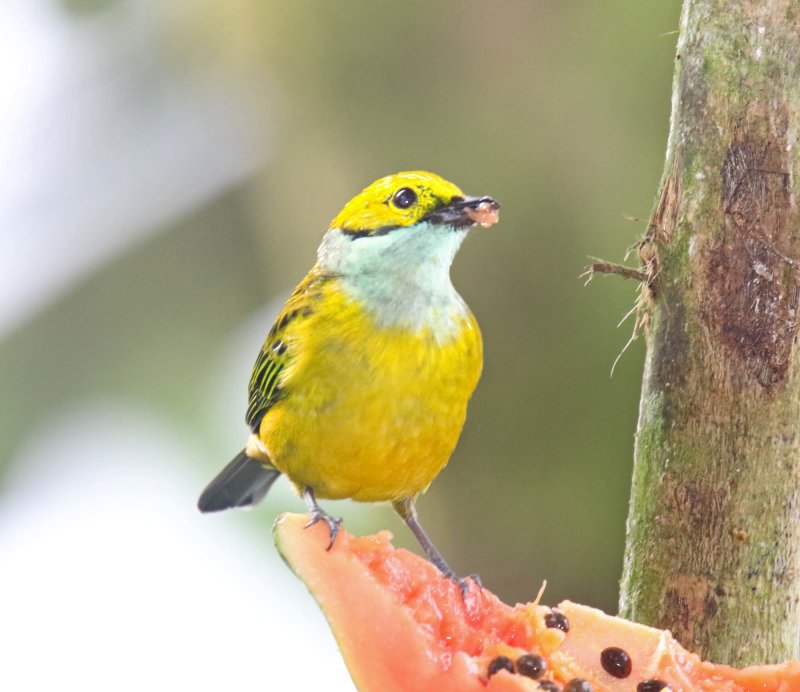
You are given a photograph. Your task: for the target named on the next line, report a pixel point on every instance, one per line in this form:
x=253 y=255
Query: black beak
x=461 y=212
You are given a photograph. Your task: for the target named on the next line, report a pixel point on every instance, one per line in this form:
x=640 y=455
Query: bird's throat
x=402 y=278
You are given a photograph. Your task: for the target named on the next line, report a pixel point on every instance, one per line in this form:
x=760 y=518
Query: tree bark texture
x=713 y=535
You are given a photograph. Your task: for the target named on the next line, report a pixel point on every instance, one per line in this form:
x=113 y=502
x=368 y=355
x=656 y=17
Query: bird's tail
x=243 y=482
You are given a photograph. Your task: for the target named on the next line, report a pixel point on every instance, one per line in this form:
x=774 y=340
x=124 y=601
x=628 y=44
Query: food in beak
x=485 y=214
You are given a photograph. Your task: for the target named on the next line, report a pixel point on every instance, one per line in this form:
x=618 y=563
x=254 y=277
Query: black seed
x=555 y=619
x=499 y=663
x=549 y=686
x=577 y=685
x=616 y=662
x=531 y=666
x=651 y=685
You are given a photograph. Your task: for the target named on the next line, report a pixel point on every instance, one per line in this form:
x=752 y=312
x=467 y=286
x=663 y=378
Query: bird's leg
x=407 y=510
x=319 y=514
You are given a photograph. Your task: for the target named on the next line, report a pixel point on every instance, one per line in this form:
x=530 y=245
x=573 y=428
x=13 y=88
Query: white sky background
x=109 y=577
x=111 y=580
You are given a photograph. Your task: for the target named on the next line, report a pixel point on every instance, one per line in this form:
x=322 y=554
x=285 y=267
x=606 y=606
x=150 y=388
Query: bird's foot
x=463 y=583
x=317 y=515
x=406 y=509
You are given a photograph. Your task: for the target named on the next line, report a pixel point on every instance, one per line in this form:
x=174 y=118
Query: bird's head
x=408 y=226
x=407 y=199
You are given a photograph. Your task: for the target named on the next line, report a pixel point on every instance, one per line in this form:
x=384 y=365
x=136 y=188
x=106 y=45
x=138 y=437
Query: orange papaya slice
x=400 y=626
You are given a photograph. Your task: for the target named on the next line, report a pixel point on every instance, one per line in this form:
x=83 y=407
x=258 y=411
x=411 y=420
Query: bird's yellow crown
x=396 y=201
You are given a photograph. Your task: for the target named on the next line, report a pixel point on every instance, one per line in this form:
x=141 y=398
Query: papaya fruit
x=401 y=626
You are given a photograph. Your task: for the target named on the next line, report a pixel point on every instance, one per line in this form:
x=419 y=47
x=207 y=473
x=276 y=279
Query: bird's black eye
x=404 y=198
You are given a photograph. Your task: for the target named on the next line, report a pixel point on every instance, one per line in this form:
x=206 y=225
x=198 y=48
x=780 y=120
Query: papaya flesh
x=401 y=626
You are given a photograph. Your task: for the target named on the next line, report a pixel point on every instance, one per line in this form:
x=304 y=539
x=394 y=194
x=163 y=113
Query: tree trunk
x=713 y=536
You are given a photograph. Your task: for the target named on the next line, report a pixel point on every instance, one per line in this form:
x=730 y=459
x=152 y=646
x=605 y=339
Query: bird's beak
x=467 y=211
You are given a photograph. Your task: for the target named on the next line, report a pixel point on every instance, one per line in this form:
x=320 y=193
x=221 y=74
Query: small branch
x=601 y=267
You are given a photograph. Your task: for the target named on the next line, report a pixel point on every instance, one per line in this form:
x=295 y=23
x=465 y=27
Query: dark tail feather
x=243 y=482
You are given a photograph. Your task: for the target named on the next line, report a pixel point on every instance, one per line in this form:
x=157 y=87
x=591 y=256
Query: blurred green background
x=169 y=169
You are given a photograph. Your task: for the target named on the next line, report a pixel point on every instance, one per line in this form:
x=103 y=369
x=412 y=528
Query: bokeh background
x=168 y=169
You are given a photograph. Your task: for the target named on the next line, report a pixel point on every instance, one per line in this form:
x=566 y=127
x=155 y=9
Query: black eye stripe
x=369 y=233
x=404 y=198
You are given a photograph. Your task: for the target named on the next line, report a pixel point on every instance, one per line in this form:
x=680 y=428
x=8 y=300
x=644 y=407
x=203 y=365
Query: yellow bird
x=360 y=390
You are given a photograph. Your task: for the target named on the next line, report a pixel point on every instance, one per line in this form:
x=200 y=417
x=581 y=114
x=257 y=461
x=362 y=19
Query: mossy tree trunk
x=713 y=540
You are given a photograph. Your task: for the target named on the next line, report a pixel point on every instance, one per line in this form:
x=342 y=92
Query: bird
x=360 y=389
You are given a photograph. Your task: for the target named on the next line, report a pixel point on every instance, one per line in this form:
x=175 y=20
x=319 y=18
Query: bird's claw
x=333 y=523
x=463 y=583
x=476 y=578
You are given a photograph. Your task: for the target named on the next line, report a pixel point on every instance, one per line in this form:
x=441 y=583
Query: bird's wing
x=276 y=353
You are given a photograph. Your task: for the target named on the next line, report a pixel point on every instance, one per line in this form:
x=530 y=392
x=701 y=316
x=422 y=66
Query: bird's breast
x=421 y=349
x=372 y=411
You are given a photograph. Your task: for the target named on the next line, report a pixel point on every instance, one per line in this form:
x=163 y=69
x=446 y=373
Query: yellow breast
x=369 y=412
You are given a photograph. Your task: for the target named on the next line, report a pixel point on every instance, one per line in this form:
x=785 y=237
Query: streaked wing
x=276 y=353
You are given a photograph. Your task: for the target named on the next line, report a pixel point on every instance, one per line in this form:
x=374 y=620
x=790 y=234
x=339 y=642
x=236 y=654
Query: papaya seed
x=555 y=619
x=616 y=662
x=499 y=663
x=531 y=666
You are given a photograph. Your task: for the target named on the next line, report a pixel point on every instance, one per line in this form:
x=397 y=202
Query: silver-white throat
x=401 y=277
